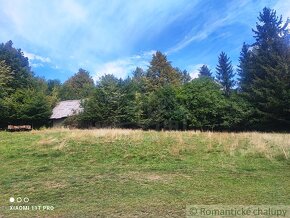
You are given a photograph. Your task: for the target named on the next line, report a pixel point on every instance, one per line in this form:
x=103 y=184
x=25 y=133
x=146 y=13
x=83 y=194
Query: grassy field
x=127 y=173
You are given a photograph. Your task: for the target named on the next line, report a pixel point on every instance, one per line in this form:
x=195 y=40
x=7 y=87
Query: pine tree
x=270 y=33
x=184 y=75
x=225 y=73
x=269 y=85
x=106 y=105
x=244 y=68
x=204 y=71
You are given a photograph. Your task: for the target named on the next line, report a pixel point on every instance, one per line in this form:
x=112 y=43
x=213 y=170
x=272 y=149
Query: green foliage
x=164 y=96
x=161 y=73
x=14 y=58
x=53 y=85
x=244 y=69
x=79 y=86
x=238 y=113
x=6 y=76
x=184 y=75
x=225 y=74
x=204 y=72
x=163 y=109
x=104 y=107
x=265 y=75
x=204 y=103
x=26 y=107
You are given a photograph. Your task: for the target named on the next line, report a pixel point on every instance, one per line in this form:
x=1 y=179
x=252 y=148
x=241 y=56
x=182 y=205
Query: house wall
x=58 y=122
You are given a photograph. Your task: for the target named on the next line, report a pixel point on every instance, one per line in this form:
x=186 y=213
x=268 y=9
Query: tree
x=6 y=76
x=78 y=86
x=203 y=104
x=14 y=58
x=270 y=34
x=52 y=85
x=244 y=69
x=225 y=74
x=268 y=86
x=27 y=107
x=163 y=109
x=185 y=77
x=161 y=73
x=138 y=74
x=105 y=106
x=204 y=72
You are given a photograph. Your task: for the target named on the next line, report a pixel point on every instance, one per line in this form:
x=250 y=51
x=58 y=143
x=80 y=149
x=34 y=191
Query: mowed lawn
x=133 y=173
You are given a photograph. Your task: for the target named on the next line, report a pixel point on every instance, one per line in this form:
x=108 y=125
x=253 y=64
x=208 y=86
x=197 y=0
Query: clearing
x=133 y=173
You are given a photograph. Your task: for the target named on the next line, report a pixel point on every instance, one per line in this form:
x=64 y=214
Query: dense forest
x=255 y=97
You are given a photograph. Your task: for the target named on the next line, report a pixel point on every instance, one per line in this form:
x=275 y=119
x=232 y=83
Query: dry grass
x=267 y=144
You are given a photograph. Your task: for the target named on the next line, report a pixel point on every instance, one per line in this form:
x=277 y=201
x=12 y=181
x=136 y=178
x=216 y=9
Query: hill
x=114 y=172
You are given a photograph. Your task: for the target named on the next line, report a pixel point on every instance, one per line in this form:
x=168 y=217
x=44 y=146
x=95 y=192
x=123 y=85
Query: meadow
x=135 y=173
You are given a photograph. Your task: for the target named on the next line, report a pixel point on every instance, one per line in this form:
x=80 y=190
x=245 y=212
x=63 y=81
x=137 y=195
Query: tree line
x=255 y=97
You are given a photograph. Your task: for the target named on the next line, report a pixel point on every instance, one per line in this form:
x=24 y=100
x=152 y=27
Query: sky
x=116 y=36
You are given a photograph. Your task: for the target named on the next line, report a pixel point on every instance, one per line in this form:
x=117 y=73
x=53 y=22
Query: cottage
x=63 y=110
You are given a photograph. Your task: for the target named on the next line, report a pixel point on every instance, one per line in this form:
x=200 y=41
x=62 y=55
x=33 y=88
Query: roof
x=66 y=108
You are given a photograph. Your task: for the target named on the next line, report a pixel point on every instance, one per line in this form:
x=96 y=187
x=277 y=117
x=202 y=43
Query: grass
x=133 y=173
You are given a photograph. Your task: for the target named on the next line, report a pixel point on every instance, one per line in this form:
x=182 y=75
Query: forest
x=255 y=97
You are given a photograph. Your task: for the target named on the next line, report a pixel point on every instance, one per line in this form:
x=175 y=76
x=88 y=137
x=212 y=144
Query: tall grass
x=269 y=145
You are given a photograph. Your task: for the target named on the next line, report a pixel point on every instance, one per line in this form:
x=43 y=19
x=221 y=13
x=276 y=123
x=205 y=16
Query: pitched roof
x=66 y=109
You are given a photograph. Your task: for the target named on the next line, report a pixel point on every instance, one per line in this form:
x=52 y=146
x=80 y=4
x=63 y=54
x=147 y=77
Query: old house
x=63 y=110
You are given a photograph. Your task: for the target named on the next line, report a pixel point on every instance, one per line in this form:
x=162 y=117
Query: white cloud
x=194 y=70
x=74 y=10
x=283 y=7
x=121 y=68
x=198 y=35
x=214 y=21
x=33 y=57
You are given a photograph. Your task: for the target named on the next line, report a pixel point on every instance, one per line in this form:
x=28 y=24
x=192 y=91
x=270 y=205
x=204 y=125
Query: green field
x=113 y=173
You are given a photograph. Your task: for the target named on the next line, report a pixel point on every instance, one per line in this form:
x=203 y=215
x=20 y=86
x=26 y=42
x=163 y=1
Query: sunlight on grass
x=121 y=172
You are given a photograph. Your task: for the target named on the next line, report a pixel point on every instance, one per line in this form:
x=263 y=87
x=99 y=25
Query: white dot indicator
x=11 y=199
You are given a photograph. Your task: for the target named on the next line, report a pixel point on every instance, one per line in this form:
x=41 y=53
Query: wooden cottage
x=63 y=110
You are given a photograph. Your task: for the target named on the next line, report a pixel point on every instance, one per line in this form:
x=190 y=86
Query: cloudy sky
x=115 y=36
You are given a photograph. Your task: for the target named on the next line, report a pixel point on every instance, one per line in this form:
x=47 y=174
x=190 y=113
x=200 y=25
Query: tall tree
x=105 y=107
x=27 y=107
x=184 y=75
x=270 y=33
x=244 y=68
x=269 y=87
x=6 y=76
x=225 y=74
x=161 y=73
x=163 y=109
x=78 y=86
x=14 y=58
x=204 y=71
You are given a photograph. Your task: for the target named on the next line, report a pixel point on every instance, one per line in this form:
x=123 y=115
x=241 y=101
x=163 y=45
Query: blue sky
x=115 y=36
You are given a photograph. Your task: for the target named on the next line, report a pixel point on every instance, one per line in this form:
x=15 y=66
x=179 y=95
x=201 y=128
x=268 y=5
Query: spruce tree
x=225 y=74
x=269 y=85
x=204 y=72
x=244 y=68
